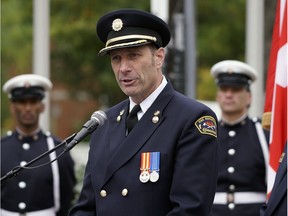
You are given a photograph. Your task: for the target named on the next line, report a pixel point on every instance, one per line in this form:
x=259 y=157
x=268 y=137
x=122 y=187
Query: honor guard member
x=241 y=187
x=44 y=191
x=166 y=163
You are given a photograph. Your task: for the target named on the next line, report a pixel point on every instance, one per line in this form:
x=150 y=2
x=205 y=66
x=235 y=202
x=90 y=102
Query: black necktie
x=132 y=118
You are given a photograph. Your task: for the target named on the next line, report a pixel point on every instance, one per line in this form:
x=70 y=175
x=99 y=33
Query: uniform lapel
x=118 y=129
x=112 y=134
x=130 y=145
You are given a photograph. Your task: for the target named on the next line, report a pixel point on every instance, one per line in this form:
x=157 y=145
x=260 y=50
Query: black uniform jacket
x=277 y=203
x=33 y=188
x=243 y=170
x=188 y=158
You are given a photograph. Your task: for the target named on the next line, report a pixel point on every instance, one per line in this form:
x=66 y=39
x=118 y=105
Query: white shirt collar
x=236 y=121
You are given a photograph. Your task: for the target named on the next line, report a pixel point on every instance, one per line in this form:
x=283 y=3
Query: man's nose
x=27 y=105
x=228 y=92
x=124 y=66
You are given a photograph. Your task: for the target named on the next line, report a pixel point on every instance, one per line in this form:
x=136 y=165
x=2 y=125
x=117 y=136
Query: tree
x=74 y=45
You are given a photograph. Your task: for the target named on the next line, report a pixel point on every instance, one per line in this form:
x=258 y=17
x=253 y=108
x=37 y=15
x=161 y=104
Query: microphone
x=97 y=119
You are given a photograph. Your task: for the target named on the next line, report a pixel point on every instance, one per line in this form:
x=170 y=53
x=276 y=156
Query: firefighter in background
x=243 y=157
x=47 y=190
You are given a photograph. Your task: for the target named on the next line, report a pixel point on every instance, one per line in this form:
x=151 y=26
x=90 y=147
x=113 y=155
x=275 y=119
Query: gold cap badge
x=117 y=24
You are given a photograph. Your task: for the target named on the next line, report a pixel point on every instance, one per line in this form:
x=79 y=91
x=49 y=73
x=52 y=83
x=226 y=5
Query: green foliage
x=220 y=35
x=16 y=36
x=220 y=30
x=74 y=46
x=16 y=47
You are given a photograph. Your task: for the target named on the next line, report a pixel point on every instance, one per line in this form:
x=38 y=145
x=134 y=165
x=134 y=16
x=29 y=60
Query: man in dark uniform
x=47 y=190
x=277 y=202
x=166 y=163
x=241 y=187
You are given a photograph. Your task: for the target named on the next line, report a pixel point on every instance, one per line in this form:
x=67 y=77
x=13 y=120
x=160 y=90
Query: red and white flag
x=276 y=91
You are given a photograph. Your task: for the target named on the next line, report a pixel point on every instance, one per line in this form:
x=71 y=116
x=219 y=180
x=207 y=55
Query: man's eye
x=133 y=55
x=115 y=58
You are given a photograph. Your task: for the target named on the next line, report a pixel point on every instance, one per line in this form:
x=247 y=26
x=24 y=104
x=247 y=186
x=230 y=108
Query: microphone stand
x=17 y=169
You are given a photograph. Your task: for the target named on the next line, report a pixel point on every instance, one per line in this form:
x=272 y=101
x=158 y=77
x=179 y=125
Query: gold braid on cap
x=127 y=37
x=123 y=44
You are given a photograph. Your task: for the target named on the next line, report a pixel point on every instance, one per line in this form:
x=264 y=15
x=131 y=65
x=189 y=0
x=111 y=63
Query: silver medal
x=154 y=176
x=144 y=176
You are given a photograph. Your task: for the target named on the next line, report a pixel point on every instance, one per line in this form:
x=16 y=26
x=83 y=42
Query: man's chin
x=129 y=91
x=229 y=110
x=28 y=124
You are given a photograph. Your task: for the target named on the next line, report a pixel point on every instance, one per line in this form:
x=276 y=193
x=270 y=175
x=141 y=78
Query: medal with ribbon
x=150 y=166
x=155 y=166
x=145 y=166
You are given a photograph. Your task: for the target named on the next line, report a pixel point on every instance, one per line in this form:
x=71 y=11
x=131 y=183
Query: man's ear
x=249 y=101
x=42 y=107
x=12 y=108
x=160 y=56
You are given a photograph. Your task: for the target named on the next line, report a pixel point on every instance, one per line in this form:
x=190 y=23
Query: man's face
x=233 y=100
x=138 y=70
x=26 y=112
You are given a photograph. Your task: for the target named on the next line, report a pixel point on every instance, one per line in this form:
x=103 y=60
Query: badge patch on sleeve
x=207 y=125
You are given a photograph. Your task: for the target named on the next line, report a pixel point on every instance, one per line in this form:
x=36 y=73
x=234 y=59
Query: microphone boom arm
x=97 y=119
x=16 y=170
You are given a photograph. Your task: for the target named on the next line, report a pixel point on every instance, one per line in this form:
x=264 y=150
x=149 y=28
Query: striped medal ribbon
x=155 y=166
x=145 y=167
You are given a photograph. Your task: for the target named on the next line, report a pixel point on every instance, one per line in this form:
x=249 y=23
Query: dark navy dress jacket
x=188 y=161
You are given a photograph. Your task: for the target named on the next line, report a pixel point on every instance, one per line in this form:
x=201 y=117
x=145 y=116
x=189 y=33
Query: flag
x=276 y=92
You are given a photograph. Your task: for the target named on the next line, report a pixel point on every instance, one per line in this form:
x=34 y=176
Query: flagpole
x=41 y=63
x=160 y=8
x=190 y=48
x=255 y=52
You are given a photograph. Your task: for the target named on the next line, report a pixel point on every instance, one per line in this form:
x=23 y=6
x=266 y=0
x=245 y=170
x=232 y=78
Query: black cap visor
x=27 y=93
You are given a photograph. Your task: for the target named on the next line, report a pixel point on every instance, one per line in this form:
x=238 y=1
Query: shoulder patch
x=207 y=125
